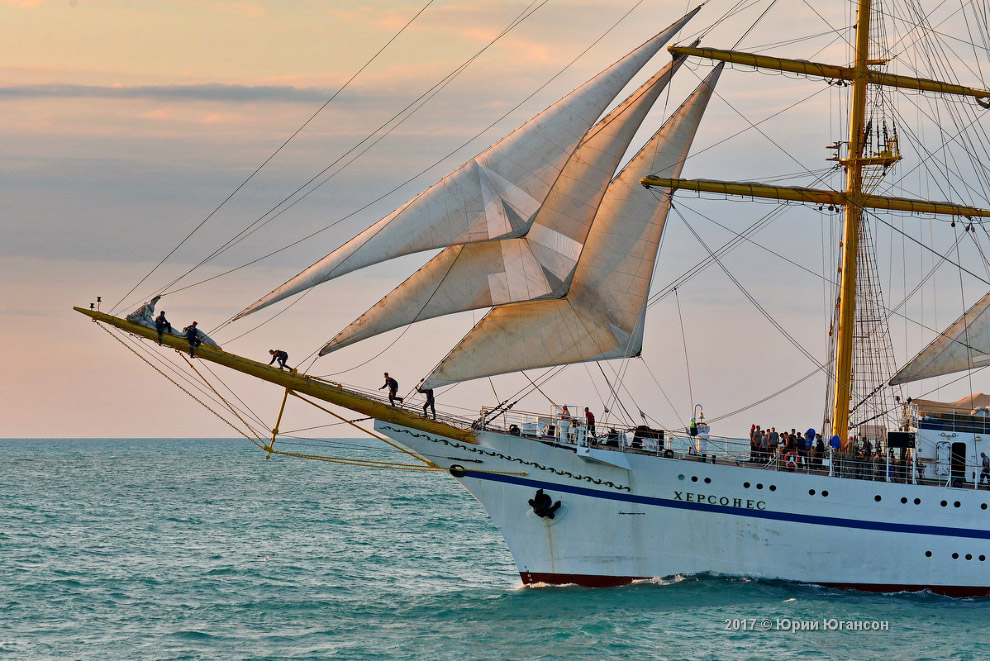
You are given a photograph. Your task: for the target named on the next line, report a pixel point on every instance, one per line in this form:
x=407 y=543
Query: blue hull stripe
x=943 y=531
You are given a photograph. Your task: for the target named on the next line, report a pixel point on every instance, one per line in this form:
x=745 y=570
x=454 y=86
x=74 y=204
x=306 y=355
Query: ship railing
x=716 y=448
x=460 y=421
x=959 y=475
x=572 y=431
x=977 y=423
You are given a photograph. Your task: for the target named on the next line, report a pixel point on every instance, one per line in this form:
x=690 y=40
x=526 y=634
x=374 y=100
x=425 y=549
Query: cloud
x=207 y=92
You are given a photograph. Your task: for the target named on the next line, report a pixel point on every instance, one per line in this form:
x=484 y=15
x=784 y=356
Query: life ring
x=514 y=430
x=792 y=460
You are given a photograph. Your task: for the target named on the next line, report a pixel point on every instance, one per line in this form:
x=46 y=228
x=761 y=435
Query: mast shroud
x=853 y=197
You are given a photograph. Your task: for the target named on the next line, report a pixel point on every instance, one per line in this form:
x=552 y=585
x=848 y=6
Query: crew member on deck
x=985 y=473
x=430 y=402
x=393 y=389
x=280 y=356
x=590 y=419
x=192 y=334
x=162 y=325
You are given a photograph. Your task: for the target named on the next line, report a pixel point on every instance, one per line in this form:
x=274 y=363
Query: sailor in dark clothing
x=192 y=334
x=393 y=388
x=161 y=323
x=280 y=356
x=430 y=402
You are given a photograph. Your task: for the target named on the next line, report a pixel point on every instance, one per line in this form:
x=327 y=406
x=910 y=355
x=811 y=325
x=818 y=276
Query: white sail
x=964 y=345
x=601 y=316
x=537 y=265
x=496 y=194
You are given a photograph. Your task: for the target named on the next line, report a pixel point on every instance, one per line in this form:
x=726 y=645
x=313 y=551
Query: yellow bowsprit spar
x=298 y=385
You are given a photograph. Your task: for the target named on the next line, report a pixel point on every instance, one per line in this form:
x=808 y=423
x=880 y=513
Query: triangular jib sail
x=537 y=265
x=602 y=314
x=964 y=345
x=496 y=194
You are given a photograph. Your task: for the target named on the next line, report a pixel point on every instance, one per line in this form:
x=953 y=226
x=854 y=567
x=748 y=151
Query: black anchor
x=543 y=505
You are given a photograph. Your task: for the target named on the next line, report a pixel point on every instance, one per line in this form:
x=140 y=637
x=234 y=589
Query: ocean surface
x=202 y=549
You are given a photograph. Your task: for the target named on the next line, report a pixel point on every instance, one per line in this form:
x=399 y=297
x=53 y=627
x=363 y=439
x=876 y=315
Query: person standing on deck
x=393 y=389
x=985 y=473
x=162 y=325
x=590 y=419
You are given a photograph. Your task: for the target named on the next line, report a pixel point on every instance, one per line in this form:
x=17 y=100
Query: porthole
x=694 y=478
x=955 y=556
x=708 y=480
x=759 y=486
x=956 y=504
x=811 y=492
x=745 y=485
x=969 y=556
x=928 y=554
x=877 y=498
x=983 y=506
x=773 y=487
x=903 y=500
x=917 y=501
x=680 y=477
x=825 y=494
x=983 y=558
x=944 y=503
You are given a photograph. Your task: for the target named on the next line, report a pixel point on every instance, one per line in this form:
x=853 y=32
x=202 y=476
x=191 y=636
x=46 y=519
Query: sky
x=126 y=126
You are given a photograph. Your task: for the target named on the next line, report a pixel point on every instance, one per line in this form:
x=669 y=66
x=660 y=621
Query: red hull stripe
x=593 y=581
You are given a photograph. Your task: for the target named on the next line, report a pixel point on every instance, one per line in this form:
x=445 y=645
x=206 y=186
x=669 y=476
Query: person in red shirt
x=590 y=419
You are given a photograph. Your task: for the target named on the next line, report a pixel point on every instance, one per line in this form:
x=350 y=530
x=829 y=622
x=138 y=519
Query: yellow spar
x=320 y=389
x=815 y=196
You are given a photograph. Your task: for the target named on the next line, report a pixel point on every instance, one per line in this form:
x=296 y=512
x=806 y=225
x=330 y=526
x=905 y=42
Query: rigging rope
x=257 y=441
x=273 y=154
x=415 y=105
x=687 y=365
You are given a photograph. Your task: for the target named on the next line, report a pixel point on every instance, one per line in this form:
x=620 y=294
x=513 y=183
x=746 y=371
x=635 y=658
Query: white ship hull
x=651 y=516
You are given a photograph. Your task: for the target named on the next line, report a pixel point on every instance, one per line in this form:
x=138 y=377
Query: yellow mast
x=850 y=233
x=853 y=198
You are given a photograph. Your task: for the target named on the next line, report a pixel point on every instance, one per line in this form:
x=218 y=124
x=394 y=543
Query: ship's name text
x=712 y=499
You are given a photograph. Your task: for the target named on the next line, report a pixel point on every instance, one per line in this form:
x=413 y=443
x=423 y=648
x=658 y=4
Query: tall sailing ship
x=558 y=240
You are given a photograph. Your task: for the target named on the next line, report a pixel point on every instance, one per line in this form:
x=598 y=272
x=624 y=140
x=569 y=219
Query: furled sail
x=496 y=194
x=601 y=316
x=537 y=265
x=964 y=345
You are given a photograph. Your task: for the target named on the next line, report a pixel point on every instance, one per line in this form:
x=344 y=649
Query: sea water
x=189 y=549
